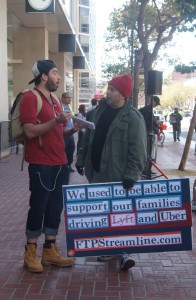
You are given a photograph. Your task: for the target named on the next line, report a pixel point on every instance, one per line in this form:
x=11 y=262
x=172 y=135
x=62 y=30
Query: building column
x=59 y=60
x=4 y=124
x=29 y=45
x=3 y=62
x=76 y=90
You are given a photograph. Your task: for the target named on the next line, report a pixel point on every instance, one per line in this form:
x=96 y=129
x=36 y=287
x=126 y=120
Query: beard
x=51 y=86
x=108 y=101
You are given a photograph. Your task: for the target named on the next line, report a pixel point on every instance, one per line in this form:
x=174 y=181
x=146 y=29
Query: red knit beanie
x=123 y=84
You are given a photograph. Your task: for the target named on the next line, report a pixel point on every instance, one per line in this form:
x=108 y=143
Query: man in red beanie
x=116 y=150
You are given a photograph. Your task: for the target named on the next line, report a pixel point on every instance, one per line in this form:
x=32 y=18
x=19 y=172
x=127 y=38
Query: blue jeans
x=46 y=199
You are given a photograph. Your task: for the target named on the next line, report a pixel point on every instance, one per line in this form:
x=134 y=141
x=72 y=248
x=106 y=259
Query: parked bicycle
x=161 y=134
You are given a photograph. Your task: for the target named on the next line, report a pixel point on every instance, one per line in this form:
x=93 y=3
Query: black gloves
x=80 y=170
x=128 y=184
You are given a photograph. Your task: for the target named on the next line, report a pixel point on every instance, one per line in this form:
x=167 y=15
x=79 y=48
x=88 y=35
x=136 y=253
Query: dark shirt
x=89 y=114
x=149 y=118
x=101 y=131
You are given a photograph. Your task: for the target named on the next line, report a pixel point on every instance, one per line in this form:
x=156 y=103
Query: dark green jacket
x=124 y=152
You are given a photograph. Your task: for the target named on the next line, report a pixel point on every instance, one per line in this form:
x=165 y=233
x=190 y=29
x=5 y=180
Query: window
x=85 y=48
x=84 y=20
x=85 y=28
x=84 y=80
x=84 y=2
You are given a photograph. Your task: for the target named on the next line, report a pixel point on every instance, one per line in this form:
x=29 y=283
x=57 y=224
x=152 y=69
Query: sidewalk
x=156 y=276
x=169 y=157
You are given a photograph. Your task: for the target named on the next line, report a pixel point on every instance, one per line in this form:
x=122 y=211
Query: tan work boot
x=31 y=261
x=51 y=256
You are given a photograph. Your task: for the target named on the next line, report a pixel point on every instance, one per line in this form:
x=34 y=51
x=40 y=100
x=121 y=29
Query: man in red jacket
x=48 y=168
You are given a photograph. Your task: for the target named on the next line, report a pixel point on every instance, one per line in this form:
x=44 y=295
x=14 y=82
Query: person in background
x=152 y=126
x=81 y=115
x=48 y=168
x=147 y=111
x=116 y=150
x=69 y=140
x=175 y=121
x=165 y=113
x=94 y=103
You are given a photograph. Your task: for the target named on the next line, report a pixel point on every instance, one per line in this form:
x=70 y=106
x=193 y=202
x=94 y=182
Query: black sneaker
x=126 y=262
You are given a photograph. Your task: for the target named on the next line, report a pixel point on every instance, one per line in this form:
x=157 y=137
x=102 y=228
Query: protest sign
x=105 y=219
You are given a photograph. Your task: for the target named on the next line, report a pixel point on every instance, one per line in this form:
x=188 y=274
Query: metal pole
x=132 y=52
x=132 y=44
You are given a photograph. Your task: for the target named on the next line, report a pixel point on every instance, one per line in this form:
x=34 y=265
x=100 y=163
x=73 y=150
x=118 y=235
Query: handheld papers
x=84 y=123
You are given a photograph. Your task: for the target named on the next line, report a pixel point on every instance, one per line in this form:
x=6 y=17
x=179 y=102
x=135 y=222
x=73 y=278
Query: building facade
x=66 y=35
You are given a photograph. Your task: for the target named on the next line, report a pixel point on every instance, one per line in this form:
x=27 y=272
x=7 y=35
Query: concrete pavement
x=156 y=276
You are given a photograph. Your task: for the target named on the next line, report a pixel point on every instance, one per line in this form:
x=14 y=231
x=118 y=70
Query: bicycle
x=161 y=134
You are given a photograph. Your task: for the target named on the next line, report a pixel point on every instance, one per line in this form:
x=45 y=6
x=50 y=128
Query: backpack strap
x=57 y=99
x=39 y=100
x=39 y=106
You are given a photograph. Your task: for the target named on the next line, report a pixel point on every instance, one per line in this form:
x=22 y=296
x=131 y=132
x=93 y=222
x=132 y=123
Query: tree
x=187 y=9
x=154 y=24
x=182 y=68
x=177 y=95
x=188 y=142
